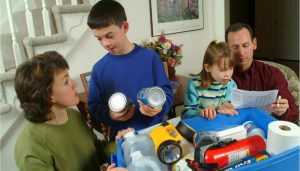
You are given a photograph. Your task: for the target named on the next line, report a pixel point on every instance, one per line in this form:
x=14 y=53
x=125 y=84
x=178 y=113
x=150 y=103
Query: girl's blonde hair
x=215 y=54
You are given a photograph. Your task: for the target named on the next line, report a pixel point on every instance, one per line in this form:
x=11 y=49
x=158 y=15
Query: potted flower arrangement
x=168 y=52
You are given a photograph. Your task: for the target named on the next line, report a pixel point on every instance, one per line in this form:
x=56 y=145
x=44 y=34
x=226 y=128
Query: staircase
x=66 y=27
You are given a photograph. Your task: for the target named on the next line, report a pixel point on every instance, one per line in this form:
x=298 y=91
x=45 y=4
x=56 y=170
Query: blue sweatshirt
x=129 y=73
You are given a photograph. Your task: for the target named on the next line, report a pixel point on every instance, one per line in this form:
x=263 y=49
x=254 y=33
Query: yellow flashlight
x=166 y=140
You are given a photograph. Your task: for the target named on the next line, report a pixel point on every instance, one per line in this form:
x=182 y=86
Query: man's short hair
x=105 y=13
x=237 y=27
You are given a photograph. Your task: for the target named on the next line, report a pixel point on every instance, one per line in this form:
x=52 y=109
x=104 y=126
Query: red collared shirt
x=263 y=77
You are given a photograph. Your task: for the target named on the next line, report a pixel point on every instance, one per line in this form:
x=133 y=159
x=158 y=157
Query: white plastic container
x=133 y=142
x=145 y=163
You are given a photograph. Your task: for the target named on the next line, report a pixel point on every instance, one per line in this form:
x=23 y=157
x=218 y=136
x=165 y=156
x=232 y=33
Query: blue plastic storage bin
x=287 y=160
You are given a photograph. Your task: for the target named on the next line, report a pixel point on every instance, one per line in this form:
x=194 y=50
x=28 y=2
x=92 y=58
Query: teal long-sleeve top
x=197 y=98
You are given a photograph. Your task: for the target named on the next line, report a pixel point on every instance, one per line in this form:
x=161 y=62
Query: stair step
x=20 y=21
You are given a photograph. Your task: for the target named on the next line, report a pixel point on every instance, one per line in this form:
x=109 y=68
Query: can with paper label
x=152 y=96
x=118 y=102
x=252 y=129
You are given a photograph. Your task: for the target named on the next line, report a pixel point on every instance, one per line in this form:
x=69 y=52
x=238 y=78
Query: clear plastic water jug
x=133 y=142
x=145 y=163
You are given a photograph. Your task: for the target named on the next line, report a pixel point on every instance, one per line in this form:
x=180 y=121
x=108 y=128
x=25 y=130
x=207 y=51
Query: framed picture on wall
x=85 y=78
x=173 y=16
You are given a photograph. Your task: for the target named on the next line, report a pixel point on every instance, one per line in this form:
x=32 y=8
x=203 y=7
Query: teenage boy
x=126 y=68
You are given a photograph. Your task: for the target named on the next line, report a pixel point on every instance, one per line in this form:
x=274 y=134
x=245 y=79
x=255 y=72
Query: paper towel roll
x=282 y=136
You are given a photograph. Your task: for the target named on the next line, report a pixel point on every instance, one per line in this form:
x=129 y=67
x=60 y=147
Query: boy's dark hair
x=237 y=27
x=215 y=53
x=105 y=13
x=33 y=84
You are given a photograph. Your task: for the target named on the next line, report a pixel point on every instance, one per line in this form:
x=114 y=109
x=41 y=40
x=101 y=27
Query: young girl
x=209 y=91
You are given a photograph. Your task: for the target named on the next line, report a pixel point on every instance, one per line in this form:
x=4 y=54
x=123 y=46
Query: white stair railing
x=15 y=44
x=74 y=2
x=29 y=20
x=58 y=2
x=17 y=53
x=46 y=19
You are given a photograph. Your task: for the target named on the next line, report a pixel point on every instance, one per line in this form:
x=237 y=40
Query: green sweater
x=67 y=147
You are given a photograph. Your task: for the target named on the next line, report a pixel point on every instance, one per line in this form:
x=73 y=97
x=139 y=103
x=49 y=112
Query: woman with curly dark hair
x=56 y=137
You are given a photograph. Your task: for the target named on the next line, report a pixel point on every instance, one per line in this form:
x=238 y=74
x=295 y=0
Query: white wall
x=7 y=160
x=138 y=14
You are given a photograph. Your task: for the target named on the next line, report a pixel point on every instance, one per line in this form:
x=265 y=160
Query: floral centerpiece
x=167 y=51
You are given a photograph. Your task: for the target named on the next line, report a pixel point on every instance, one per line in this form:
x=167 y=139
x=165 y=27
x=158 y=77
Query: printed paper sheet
x=245 y=99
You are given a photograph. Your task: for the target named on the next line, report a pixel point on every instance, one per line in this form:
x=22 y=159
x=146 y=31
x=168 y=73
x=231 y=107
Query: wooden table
x=178 y=100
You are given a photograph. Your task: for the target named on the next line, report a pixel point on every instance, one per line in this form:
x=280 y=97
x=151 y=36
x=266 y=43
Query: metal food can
x=153 y=96
x=118 y=102
x=252 y=129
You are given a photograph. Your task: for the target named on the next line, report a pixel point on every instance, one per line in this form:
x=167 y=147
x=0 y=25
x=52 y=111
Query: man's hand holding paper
x=280 y=107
